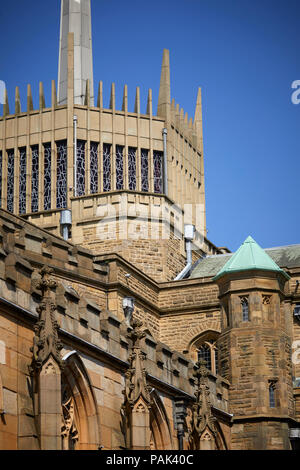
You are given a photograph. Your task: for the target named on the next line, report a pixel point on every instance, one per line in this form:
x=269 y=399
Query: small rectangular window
x=245 y=308
x=272 y=390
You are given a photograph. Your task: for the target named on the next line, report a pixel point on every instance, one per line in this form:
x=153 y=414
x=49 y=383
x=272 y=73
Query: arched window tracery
x=205 y=348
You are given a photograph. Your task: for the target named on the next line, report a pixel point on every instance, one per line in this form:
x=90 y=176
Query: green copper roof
x=249 y=256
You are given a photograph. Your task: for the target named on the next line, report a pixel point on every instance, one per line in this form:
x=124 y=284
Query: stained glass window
x=61 y=180
x=144 y=170
x=47 y=177
x=132 y=168
x=80 y=173
x=94 y=168
x=35 y=179
x=22 y=181
x=158 y=171
x=119 y=167
x=106 y=167
x=10 y=180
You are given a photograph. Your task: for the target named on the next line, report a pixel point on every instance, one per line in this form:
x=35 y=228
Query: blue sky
x=243 y=53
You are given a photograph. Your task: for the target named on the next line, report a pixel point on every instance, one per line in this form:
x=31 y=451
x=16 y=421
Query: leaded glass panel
x=119 y=167
x=61 y=180
x=158 y=172
x=204 y=353
x=80 y=172
x=47 y=177
x=35 y=179
x=10 y=180
x=245 y=309
x=132 y=168
x=144 y=170
x=94 y=168
x=272 y=395
x=106 y=167
x=22 y=181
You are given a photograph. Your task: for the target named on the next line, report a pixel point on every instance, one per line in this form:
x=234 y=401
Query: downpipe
x=165 y=133
x=189 y=233
x=75 y=120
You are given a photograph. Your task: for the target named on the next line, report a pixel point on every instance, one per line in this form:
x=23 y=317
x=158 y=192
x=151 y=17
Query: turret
x=255 y=348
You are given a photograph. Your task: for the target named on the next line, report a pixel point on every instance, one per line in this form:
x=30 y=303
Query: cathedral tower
x=109 y=179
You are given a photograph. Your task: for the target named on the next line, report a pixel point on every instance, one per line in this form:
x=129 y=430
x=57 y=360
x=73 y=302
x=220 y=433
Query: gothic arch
x=192 y=334
x=160 y=430
x=208 y=440
x=220 y=438
x=79 y=406
x=206 y=339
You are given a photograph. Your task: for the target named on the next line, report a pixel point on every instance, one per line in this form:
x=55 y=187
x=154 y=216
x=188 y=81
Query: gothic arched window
x=204 y=353
x=207 y=350
x=245 y=308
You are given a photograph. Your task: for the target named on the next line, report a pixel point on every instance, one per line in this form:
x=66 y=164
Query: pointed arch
x=209 y=440
x=160 y=429
x=220 y=438
x=204 y=346
x=79 y=406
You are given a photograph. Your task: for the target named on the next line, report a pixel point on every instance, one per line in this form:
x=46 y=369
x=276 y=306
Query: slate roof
x=285 y=256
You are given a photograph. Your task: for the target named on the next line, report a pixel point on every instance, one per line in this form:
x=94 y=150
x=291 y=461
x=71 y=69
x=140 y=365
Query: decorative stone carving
x=45 y=341
x=136 y=376
x=203 y=422
x=69 y=432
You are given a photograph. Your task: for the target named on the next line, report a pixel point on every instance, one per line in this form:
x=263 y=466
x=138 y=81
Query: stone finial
x=198 y=120
x=17 y=101
x=136 y=376
x=137 y=104
x=149 y=103
x=46 y=342
x=100 y=95
x=53 y=94
x=87 y=100
x=164 y=97
x=29 y=99
x=5 y=104
x=202 y=418
x=125 y=99
x=42 y=104
x=112 y=101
